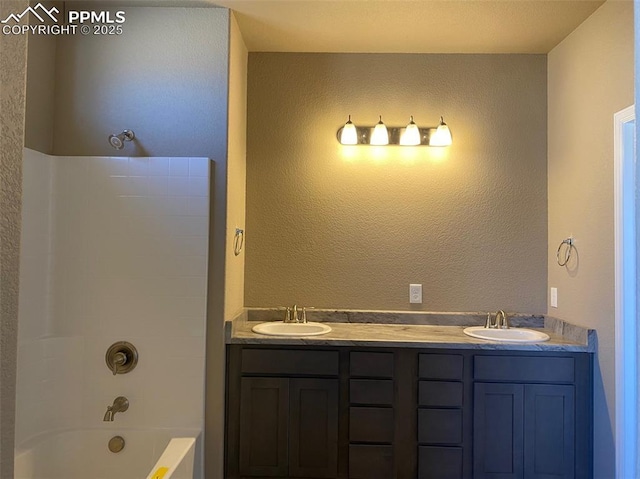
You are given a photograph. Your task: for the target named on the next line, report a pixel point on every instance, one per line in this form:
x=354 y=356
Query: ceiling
x=408 y=26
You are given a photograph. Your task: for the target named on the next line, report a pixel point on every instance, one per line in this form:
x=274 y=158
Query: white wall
x=113 y=249
x=590 y=77
x=48 y=365
x=637 y=152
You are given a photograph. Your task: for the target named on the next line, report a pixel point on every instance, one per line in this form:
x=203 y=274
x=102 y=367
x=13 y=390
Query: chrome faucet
x=501 y=320
x=120 y=404
x=292 y=315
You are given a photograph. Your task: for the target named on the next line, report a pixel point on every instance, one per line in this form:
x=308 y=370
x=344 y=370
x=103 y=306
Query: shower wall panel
x=113 y=249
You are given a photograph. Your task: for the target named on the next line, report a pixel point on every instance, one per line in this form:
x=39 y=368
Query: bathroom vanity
x=333 y=408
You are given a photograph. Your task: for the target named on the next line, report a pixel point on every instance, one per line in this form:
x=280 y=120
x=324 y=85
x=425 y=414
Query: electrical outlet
x=553 y=297
x=415 y=293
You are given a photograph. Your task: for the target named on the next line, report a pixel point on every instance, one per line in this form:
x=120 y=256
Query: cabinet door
x=313 y=428
x=498 y=420
x=264 y=418
x=524 y=431
x=549 y=432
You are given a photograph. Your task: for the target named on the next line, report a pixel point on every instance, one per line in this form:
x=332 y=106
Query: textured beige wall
x=351 y=227
x=13 y=62
x=41 y=71
x=226 y=271
x=591 y=77
x=40 y=93
x=236 y=168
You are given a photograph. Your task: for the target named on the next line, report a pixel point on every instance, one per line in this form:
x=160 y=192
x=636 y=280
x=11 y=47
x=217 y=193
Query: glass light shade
x=442 y=135
x=411 y=134
x=349 y=134
x=380 y=135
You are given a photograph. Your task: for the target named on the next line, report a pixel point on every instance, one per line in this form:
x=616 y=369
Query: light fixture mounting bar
x=395 y=133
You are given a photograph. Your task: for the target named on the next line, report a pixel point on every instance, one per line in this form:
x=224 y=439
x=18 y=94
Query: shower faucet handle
x=121 y=357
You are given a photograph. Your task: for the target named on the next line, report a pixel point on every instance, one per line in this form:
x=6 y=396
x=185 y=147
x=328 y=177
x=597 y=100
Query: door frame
x=626 y=353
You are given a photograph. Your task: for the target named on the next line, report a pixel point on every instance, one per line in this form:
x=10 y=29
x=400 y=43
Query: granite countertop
x=411 y=330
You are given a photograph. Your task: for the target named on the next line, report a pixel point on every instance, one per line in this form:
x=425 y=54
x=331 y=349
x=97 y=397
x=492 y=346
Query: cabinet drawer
x=289 y=362
x=523 y=368
x=371 y=424
x=371 y=391
x=440 y=366
x=373 y=365
x=370 y=462
x=439 y=462
x=440 y=394
x=440 y=426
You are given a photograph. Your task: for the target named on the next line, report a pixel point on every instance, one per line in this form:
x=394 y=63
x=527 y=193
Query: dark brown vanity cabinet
x=371 y=415
x=394 y=413
x=286 y=414
x=532 y=417
x=444 y=433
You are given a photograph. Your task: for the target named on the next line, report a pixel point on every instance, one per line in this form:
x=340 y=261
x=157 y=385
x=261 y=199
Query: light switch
x=553 y=297
x=415 y=293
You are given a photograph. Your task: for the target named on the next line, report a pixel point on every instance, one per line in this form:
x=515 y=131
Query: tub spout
x=120 y=404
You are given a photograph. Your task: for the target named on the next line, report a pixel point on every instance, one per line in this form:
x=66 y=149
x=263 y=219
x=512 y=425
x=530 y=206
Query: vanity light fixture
x=442 y=136
x=349 y=134
x=381 y=135
x=411 y=134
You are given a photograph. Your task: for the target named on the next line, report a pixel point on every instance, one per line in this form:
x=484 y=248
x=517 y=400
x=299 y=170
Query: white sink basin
x=278 y=328
x=511 y=335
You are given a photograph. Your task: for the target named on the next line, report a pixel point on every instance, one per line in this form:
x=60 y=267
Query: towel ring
x=567 y=251
x=238 y=241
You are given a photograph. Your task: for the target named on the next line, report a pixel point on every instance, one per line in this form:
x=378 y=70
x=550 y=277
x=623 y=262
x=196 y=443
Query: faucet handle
x=505 y=321
x=304 y=313
x=119 y=359
x=287 y=314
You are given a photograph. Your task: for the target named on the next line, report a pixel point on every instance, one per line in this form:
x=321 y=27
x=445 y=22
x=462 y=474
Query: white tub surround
x=176 y=461
x=113 y=249
x=84 y=454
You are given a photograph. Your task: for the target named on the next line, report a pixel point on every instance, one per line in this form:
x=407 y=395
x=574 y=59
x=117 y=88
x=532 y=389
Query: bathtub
x=84 y=454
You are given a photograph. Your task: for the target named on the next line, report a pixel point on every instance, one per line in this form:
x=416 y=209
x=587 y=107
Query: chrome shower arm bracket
x=117 y=141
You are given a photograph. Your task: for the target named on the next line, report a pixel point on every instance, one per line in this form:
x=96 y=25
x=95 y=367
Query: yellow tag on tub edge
x=160 y=472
